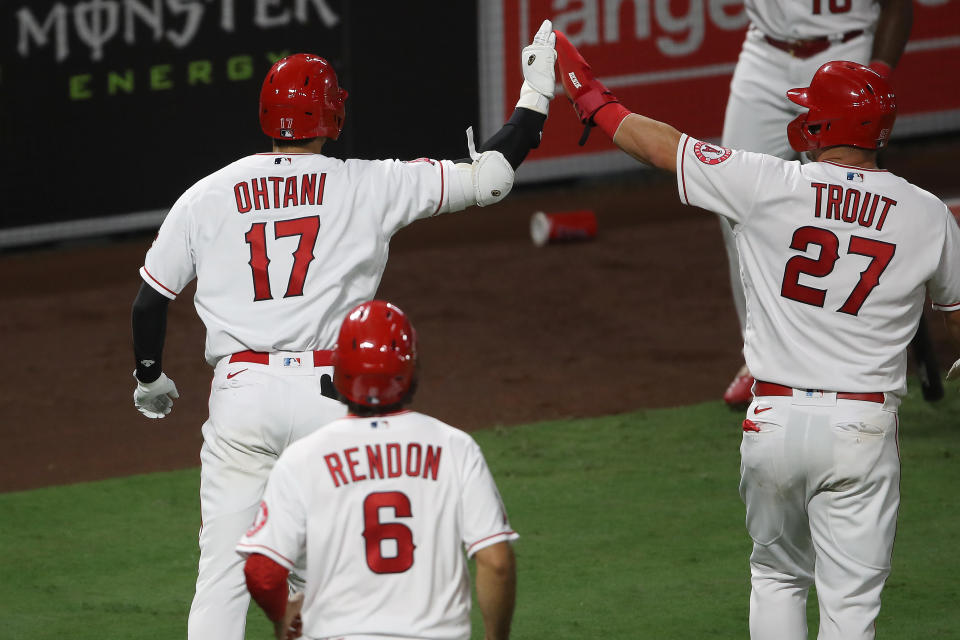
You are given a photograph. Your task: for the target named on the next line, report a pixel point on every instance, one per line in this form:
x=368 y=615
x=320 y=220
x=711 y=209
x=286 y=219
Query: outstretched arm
x=523 y=130
x=486 y=177
x=649 y=141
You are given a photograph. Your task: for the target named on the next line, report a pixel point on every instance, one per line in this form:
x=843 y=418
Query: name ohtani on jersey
x=281 y=192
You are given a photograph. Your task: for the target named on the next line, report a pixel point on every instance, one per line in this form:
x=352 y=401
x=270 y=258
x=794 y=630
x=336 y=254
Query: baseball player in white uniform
x=786 y=42
x=282 y=245
x=386 y=504
x=837 y=256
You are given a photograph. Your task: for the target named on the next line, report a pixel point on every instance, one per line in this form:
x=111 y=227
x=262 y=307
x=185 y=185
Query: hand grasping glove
x=155 y=399
x=537 y=61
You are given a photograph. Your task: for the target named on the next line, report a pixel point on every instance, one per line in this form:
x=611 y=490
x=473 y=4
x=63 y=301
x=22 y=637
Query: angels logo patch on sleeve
x=711 y=154
x=259 y=520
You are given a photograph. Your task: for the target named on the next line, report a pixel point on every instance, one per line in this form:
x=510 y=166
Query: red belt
x=320 y=358
x=773 y=389
x=806 y=48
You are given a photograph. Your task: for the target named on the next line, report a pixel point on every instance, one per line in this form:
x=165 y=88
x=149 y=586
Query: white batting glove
x=155 y=399
x=954 y=373
x=539 y=79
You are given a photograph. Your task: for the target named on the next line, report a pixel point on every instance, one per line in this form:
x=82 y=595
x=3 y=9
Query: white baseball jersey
x=384 y=508
x=835 y=263
x=805 y=19
x=283 y=245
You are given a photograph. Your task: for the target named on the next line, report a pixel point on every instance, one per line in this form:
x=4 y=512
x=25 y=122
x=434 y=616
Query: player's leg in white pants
x=253 y=418
x=773 y=488
x=853 y=521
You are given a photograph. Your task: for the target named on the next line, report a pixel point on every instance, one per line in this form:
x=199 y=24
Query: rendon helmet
x=849 y=104
x=375 y=360
x=300 y=98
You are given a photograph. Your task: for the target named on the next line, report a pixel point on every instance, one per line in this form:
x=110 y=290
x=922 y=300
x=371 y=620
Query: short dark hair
x=287 y=142
x=367 y=411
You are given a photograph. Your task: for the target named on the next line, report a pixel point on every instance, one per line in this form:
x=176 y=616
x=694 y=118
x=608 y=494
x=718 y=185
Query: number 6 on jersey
x=376 y=532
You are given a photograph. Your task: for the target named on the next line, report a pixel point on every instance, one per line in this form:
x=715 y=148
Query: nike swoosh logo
x=757 y=410
x=235 y=373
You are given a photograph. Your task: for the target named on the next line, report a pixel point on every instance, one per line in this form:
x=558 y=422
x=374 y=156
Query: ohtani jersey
x=835 y=263
x=384 y=508
x=283 y=245
x=805 y=19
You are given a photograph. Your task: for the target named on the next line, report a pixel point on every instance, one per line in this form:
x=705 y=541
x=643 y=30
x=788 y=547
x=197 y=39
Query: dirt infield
x=509 y=333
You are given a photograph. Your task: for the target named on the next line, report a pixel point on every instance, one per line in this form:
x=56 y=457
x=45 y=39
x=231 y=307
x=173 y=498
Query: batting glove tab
x=155 y=399
x=539 y=79
x=587 y=94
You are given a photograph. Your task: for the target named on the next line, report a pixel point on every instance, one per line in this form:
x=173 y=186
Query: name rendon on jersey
x=850 y=205
x=297 y=190
x=391 y=461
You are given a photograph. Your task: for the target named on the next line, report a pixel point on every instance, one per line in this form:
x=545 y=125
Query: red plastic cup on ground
x=564 y=226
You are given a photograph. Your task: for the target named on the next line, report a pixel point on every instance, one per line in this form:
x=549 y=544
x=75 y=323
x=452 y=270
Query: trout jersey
x=835 y=261
x=385 y=509
x=806 y=19
x=283 y=245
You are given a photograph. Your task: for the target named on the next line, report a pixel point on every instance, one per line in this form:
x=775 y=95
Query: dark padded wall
x=116 y=106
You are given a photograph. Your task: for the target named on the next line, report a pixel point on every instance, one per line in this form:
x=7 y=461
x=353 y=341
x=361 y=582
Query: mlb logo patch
x=813 y=393
x=854 y=176
x=291 y=362
x=283 y=160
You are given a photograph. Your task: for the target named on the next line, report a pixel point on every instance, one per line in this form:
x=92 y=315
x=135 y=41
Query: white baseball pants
x=758 y=112
x=254 y=415
x=821 y=484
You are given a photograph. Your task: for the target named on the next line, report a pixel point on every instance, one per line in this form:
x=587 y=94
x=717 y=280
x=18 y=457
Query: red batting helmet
x=300 y=98
x=849 y=104
x=375 y=359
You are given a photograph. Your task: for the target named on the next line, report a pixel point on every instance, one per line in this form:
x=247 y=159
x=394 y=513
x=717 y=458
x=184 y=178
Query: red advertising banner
x=672 y=60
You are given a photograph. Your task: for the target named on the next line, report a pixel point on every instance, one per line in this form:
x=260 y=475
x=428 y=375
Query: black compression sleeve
x=515 y=138
x=149 y=320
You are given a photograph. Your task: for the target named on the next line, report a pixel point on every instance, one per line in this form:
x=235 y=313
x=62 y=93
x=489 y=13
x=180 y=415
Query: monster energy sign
x=114 y=94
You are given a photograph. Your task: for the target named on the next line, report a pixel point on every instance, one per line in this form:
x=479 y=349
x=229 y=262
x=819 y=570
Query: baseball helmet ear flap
x=800 y=136
x=375 y=360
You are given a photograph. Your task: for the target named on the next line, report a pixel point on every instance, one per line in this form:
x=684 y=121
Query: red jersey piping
x=683 y=177
x=245 y=546
x=502 y=533
x=165 y=288
x=441 y=189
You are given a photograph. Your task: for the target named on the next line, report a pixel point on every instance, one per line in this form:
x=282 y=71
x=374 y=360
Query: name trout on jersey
x=392 y=461
x=850 y=205
x=255 y=193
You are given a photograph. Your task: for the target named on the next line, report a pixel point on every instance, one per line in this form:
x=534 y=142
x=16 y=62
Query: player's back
x=835 y=262
x=282 y=245
x=392 y=503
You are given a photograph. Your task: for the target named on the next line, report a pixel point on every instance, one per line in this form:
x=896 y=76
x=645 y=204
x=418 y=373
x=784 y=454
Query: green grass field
x=631 y=527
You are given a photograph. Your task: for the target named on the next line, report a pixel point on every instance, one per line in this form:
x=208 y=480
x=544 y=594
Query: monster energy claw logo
x=96 y=23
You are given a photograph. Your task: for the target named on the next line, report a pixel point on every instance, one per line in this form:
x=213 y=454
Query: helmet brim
x=800 y=96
